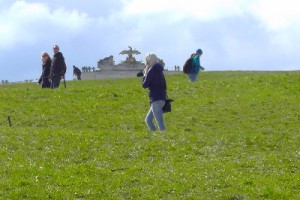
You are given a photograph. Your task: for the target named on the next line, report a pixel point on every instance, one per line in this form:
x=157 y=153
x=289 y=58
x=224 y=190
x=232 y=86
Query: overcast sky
x=233 y=34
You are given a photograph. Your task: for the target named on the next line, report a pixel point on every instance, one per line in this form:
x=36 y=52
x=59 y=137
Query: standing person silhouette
x=46 y=64
x=58 y=67
x=193 y=75
x=76 y=72
x=154 y=80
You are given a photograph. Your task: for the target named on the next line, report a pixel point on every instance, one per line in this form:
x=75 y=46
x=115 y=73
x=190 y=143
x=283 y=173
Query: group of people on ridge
x=152 y=78
x=53 y=69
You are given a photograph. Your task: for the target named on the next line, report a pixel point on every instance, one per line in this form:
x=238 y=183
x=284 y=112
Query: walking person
x=154 y=80
x=46 y=64
x=76 y=72
x=58 y=67
x=193 y=74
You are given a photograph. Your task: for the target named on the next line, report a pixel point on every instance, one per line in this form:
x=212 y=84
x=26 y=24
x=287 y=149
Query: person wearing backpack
x=196 y=67
x=155 y=81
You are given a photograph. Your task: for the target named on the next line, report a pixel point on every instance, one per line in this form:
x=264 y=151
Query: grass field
x=231 y=135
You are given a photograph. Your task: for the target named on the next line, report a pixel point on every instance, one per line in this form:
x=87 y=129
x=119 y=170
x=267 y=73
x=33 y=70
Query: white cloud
x=282 y=21
x=197 y=9
x=274 y=14
x=277 y=14
x=27 y=23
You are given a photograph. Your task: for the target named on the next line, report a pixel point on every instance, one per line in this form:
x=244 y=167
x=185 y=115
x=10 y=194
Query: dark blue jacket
x=156 y=83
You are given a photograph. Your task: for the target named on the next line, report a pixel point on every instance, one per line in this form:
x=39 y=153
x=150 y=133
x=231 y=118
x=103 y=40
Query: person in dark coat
x=46 y=64
x=154 y=80
x=76 y=72
x=58 y=67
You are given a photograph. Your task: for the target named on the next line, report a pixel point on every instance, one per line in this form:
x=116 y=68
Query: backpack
x=188 y=65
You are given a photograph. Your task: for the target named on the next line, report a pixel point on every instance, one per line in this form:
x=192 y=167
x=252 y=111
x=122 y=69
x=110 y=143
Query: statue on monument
x=128 y=64
x=130 y=58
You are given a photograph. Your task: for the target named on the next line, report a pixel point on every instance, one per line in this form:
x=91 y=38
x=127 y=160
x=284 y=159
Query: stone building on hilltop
x=129 y=64
x=107 y=68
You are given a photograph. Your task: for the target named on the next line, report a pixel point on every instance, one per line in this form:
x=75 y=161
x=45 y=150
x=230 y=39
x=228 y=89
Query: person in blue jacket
x=154 y=80
x=193 y=75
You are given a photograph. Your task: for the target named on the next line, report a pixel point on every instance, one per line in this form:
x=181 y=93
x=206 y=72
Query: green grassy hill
x=231 y=135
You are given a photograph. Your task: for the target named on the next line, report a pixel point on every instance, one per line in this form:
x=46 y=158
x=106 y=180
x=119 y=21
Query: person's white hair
x=151 y=59
x=45 y=56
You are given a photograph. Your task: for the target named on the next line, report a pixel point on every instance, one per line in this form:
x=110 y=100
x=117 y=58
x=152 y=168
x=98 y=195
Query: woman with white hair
x=46 y=64
x=154 y=80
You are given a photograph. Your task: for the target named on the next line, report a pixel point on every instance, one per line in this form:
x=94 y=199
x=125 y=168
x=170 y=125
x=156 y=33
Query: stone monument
x=129 y=64
x=125 y=69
